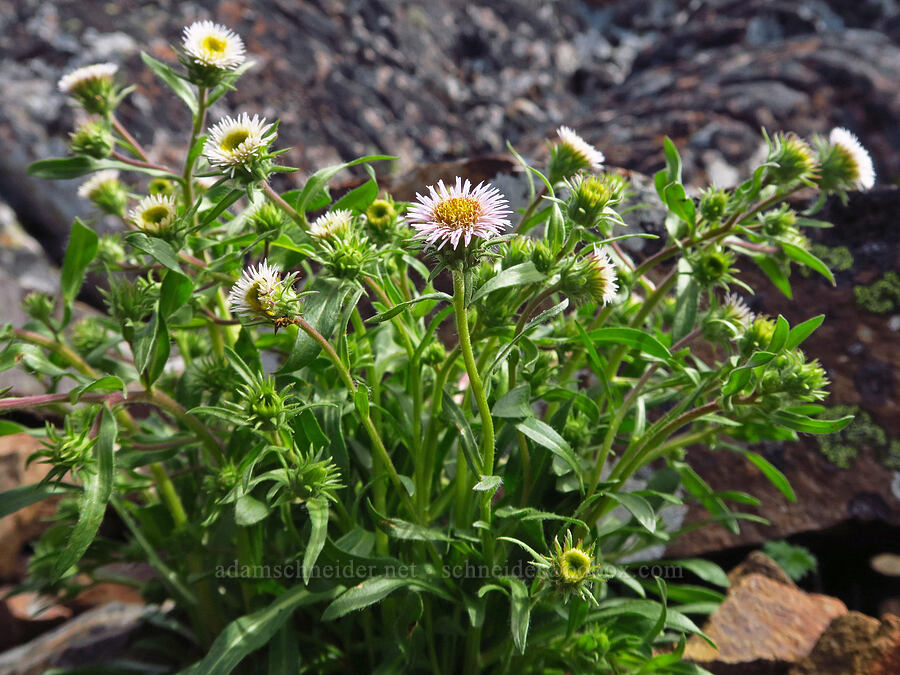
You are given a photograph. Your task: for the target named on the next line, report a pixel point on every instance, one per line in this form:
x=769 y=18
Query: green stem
x=187 y=177
x=279 y=201
x=380 y=451
x=484 y=410
x=168 y=494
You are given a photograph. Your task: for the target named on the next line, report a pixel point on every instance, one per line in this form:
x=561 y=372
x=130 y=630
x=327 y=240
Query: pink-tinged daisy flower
x=589 y=156
x=213 y=45
x=859 y=168
x=448 y=215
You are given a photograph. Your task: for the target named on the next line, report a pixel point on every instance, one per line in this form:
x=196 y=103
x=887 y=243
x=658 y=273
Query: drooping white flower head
x=601 y=276
x=448 y=215
x=591 y=157
x=89 y=188
x=734 y=308
x=154 y=214
x=331 y=223
x=858 y=158
x=74 y=82
x=236 y=143
x=254 y=295
x=213 y=45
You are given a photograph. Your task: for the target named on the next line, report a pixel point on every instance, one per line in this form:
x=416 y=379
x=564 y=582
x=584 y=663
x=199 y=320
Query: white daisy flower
x=330 y=223
x=75 y=82
x=734 y=308
x=590 y=157
x=235 y=143
x=254 y=294
x=92 y=186
x=601 y=276
x=213 y=45
x=858 y=158
x=154 y=214
x=461 y=212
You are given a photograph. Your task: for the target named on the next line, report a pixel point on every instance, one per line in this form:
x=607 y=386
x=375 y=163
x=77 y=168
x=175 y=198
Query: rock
x=25 y=524
x=763 y=626
x=97 y=636
x=855 y=644
x=759 y=563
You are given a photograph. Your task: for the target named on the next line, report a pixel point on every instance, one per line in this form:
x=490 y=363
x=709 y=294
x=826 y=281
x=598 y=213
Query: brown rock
x=759 y=563
x=27 y=523
x=855 y=644
x=763 y=626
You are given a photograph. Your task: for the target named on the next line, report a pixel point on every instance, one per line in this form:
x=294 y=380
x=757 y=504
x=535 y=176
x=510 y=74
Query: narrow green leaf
x=82 y=248
x=178 y=86
x=97 y=489
x=515 y=404
x=808 y=425
x=226 y=201
x=631 y=337
x=161 y=251
x=638 y=507
x=802 y=331
x=779 y=335
x=402 y=306
x=685 y=310
x=545 y=435
x=104 y=385
x=520 y=612
x=517 y=275
x=488 y=484
x=373 y=590
x=775 y=274
x=454 y=414
x=359 y=198
x=320 y=178
x=174 y=293
x=25 y=495
x=806 y=258
x=7 y=428
x=706 y=570
x=318 y=518
x=776 y=477
x=323 y=311
x=252 y=631
x=673 y=161
x=248 y=511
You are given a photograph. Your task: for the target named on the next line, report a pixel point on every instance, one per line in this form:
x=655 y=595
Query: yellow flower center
x=574 y=565
x=458 y=213
x=155 y=214
x=233 y=140
x=258 y=298
x=213 y=44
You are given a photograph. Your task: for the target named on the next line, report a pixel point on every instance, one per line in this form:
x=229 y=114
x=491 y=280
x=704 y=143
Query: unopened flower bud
x=713 y=204
x=106 y=192
x=94 y=87
x=265 y=218
x=776 y=222
x=712 y=267
x=38 y=305
x=846 y=164
x=92 y=138
x=160 y=186
x=590 y=195
x=572 y=154
x=792 y=159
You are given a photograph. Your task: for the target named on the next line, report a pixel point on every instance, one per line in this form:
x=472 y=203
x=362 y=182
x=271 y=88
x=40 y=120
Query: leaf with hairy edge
x=180 y=87
x=98 y=485
x=806 y=258
x=82 y=248
x=545 y=435
x=104 y=385
x=320 y=178
x=174 y=293
x=517 y=275
x=161 y=251
x=515 y=404
x=632 y=338
x=373 y=590
x=706 y=570
x=402 y=306
x=802 y=331
x=323 y=315
x=318 y=518
x=808 y=425
x=252 y=631
x=26 y=495
x=520 y=612
x=638 y=507
x=776 y=477
x=775 y=274
x=454 y=414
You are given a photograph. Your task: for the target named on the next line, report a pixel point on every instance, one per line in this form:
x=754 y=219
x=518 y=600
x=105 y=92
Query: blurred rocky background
x=445 y=84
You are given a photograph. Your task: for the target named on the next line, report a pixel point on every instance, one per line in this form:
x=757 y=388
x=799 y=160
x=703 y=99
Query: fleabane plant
x=362 y=434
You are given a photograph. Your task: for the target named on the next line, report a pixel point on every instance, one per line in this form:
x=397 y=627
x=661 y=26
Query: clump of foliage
x=317 y=477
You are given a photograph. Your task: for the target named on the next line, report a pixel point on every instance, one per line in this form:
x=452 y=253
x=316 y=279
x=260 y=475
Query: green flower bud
x=578 y=431
x=590 y=195
x=93 y=87
x=713 y=267
x=106 y=192
x=792 y=158
x=381 y=218
x=570 y=155
x=265 y=218
x=776 y=222
x=518 y=251
x=87 y=335
x=542 y=256
x=845 y=163
x=570 y=569
x=160 y=186
x=38 y=305
x=434 y=354
x=713 y=204
x=110 y=249
x=757 y=336
x=92 y=138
